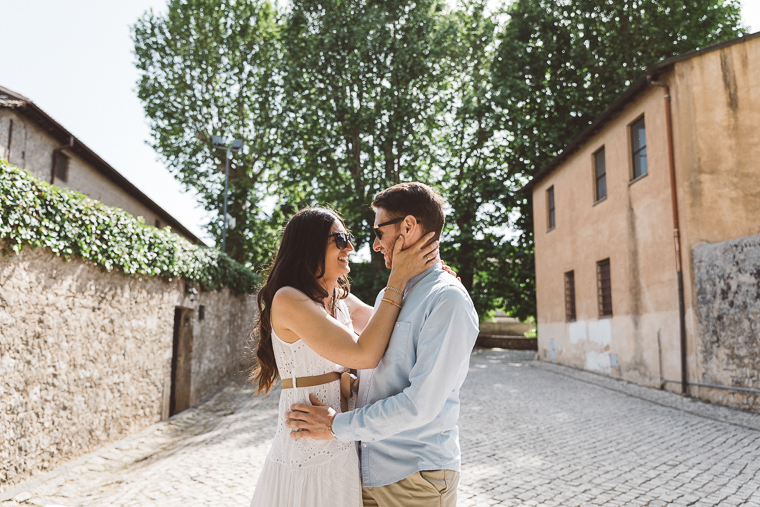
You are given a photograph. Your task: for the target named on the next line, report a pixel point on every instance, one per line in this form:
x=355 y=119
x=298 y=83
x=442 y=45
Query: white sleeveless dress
x=307 y=472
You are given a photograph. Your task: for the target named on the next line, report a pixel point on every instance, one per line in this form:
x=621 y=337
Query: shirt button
x=364 y=445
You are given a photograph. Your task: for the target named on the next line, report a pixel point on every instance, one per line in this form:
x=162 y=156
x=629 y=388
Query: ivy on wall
x=36 y=213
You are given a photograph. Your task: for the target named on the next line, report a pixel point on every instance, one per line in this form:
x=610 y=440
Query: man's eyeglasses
x=379 y=233
x=342 y=239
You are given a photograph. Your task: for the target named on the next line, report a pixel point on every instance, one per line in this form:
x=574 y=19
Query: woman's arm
x=296 y=313
x=360 y=313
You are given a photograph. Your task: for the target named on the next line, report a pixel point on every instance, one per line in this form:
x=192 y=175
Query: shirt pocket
x=400 y=342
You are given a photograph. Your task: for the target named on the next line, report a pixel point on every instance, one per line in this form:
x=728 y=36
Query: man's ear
x=409 y=223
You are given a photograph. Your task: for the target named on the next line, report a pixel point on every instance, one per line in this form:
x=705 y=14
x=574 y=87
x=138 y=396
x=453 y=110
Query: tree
x=469 y=149
x=361 y=85
x=338 y=99
x=383 y=92
x=211 y=67
x=559 y=65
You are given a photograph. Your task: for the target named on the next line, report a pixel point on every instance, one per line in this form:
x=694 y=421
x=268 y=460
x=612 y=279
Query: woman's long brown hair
x=300 y=263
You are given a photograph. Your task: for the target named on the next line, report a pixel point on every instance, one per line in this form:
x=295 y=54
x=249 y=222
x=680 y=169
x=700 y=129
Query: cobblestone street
x=532 y=433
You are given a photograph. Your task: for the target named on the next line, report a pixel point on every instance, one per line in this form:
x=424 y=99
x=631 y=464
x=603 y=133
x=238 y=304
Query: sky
x=74 y=60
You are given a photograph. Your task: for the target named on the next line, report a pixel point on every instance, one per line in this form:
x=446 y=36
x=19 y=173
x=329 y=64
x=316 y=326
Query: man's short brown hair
x=416 y=199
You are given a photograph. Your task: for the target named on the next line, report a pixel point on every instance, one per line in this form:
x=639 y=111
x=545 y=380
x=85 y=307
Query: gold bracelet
x=394 y=289
x=391 y=302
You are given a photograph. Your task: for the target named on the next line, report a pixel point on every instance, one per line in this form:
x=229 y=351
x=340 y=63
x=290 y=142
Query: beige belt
x=349 y=384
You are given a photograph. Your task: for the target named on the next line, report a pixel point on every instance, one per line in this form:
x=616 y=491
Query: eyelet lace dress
x=307 y=472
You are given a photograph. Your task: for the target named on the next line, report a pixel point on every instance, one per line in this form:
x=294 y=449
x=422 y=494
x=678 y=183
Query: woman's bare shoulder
x=288 y=299
x=289 y=294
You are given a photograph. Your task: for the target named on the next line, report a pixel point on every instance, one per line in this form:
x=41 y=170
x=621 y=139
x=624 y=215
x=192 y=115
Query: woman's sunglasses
x=379 y=233
x=342 y=239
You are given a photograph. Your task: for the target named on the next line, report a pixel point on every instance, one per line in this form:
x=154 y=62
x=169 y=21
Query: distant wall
x=85 y=356
x=508 y=327
x=727 y=289
x=220 y=339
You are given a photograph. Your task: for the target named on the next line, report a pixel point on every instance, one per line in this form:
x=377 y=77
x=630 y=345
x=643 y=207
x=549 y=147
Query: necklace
x=330 y=305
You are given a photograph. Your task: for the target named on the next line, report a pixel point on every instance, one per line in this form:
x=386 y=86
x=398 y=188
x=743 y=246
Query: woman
x=305 y=334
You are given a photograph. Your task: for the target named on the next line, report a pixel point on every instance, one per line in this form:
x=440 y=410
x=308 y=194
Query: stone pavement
x=532 y=433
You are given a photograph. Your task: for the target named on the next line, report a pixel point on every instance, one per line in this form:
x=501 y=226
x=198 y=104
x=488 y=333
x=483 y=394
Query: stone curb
x=664 y=398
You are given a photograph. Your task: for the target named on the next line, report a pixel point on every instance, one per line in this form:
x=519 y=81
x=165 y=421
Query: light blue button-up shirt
x=410 y=403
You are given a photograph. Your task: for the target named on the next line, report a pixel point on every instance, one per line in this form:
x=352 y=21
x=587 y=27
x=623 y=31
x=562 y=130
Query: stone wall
x=727 y=291
x=221 y=336
x=85 y=356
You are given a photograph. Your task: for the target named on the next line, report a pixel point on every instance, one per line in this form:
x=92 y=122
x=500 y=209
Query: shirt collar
x=411 y=283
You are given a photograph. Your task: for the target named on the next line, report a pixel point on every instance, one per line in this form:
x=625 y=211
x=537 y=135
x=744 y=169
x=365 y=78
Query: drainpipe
x=55 y=156
x=10 y=138
x=676 y=230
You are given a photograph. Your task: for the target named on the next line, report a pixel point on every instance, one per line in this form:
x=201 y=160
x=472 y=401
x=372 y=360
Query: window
x=600 y=175
x=604 y=288
x=570 y=295
x=550 y=208
x=62 y=167
x=158 y=223
x=639 y=148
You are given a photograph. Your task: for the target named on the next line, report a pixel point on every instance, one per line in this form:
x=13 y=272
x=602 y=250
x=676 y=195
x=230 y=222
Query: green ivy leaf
x=71 y=224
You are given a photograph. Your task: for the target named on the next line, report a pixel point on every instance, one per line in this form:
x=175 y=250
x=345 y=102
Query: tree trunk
x=467 y=266
x=466 y=256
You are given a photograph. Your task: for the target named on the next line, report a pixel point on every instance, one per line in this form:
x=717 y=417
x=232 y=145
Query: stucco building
x=31 y=139
x=674 y=164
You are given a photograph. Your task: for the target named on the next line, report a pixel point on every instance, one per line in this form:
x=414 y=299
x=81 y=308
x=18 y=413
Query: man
x=407 y=407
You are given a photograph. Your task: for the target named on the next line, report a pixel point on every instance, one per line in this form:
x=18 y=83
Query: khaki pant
x=432 y=488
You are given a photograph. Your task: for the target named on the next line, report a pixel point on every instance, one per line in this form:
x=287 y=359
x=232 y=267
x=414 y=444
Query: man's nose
x=376 y=244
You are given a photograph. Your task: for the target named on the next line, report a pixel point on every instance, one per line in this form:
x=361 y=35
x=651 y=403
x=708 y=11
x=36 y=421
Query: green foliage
x=338 y=99
x=367 y=281
x=533 y=332
x=212 y=67
x=559 y=65
x=479 y=187
x=35 y=213
x=362 y=87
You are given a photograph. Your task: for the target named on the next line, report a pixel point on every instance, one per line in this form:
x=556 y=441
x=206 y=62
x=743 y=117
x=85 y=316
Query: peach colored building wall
x=717 y=144
x=716 y=127
x=632 y=227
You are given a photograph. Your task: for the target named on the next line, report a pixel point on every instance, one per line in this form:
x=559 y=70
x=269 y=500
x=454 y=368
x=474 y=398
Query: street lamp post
x=236 y=146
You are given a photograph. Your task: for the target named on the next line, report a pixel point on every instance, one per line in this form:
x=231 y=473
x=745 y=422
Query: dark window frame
x=604 y=287
x=62 y=167
x=638 y=152
x=570 y=310
x=551 y=209
x=600 y=177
